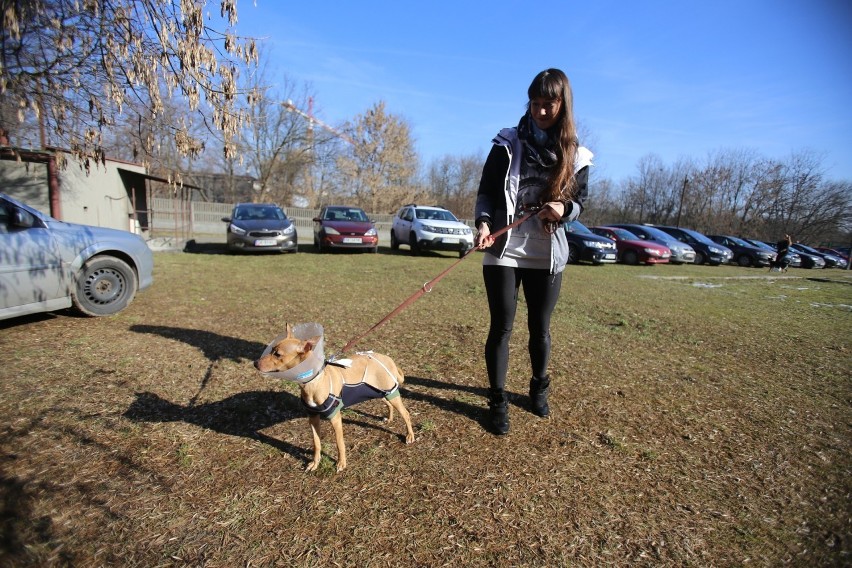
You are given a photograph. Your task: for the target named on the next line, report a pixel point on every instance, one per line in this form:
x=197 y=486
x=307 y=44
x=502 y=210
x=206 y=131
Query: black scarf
x=539 y=147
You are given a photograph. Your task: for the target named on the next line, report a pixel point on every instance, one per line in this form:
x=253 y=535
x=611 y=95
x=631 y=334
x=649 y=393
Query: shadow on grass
x=462 y=402
x=244 y=415
x=215 y=347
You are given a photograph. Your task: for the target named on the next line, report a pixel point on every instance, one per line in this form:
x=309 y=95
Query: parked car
x=809 y=259
x=48 y=265
x=830 y=260
x=745 y=254
x=793 y=258
x=682 y=253
x=633 y=250
x=583 y=244
x=260 y=227
x=835 y=252
x=706 y=250
x=429 y=227
x=340 y=227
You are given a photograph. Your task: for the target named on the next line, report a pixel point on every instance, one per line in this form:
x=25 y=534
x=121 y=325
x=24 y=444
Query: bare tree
x=377 y=169
x=73 y=66
x=452 y=181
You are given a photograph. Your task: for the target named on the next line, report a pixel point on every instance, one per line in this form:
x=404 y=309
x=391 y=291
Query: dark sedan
x=706 y=250
x=745 y=254
x=809 y=259
x=260 y=227
x=583 y=244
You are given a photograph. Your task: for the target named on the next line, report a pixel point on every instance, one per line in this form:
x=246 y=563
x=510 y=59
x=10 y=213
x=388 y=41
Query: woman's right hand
x=483 y=237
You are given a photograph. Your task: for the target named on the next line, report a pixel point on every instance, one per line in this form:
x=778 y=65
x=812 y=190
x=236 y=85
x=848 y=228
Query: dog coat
x=352 y=394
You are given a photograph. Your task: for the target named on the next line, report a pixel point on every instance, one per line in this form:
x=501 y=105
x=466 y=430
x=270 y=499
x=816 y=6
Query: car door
x=403 y=225
x=32 y=278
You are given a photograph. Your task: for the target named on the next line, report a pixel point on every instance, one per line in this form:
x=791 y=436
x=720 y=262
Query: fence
x=202 y=221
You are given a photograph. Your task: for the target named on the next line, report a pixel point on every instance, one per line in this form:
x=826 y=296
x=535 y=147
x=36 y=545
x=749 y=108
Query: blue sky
x=679 y=79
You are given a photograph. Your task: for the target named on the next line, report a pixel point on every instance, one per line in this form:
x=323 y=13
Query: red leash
x=427 y=287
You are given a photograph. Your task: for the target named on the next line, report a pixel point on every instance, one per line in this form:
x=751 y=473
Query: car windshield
x=625 y=235
x=435 y=215
x=658 y=235
x=345 y=214
x=740 y=242
x=578 y=227
x=698 y=236
x=806 y=248
x=253 y=213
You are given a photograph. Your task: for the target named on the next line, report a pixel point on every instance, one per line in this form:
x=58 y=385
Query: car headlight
x=331 y=231
x=714 y=250
x=236 y=230
x=289 y=230
x=593 y=244
x=653 y=251
x=371 y=233
x=429 y=228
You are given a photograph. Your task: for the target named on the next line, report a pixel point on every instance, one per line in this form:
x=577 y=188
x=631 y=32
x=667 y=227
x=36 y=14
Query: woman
x=537 y=167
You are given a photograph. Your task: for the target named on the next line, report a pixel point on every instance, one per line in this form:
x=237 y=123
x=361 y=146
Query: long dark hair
x=554 y=84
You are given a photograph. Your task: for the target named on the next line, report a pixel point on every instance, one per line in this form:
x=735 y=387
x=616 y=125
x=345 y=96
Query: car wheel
x=412 y=244
x=573 y=254
x=105 y=285
x=630 y=257
x=744 y=260
x=699 y=258
x=393 y=241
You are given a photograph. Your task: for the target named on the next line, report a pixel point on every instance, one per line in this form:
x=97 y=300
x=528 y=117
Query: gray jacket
x=498 y=191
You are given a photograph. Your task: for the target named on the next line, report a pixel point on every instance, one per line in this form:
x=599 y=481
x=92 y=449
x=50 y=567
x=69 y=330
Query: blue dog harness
x=351 y=394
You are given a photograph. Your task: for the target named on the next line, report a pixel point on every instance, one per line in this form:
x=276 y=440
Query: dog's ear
x=311 y=344
x=289 y=331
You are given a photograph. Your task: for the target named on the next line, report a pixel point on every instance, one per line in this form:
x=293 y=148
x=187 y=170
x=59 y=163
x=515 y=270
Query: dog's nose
x=257 y=365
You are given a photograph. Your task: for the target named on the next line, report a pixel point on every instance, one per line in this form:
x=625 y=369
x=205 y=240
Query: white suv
x=424 y=227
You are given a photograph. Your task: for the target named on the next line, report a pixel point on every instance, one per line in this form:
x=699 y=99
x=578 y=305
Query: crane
x=309 y=116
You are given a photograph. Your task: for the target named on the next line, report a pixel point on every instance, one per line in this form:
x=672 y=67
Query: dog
x=329 y=386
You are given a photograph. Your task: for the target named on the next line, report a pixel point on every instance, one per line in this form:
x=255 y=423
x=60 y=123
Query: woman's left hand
x=552 y=211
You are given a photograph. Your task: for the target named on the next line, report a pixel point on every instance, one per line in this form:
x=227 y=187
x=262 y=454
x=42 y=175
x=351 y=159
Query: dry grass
x=699 y=419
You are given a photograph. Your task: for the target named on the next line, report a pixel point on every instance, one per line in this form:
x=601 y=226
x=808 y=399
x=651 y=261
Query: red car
x=835 y=252
x=339 y=228
x=633 y=250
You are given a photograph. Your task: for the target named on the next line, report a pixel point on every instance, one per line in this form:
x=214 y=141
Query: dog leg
x=390 y=411
x=315 y=427
x=397 y=403
x=337 y=425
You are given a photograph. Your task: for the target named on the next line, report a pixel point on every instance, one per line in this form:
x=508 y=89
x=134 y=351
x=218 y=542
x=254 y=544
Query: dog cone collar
x=308 y=369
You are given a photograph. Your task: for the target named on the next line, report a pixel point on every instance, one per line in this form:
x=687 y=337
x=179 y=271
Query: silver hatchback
x=48 y=265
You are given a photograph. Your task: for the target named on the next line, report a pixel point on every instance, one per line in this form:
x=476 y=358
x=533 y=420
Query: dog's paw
x=409 y=438
x=312 y=466
x=341 y=465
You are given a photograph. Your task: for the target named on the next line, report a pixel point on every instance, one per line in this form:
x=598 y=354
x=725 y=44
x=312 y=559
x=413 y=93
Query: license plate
x=351 y=240
x=265 y=243
x=609 y=256
x=450 y=241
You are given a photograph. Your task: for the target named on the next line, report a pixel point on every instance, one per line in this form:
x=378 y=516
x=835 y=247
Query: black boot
x=539 y=389
x=499 y=411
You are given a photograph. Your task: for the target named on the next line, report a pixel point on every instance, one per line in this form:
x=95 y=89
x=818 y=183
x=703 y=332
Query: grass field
x=700 y=417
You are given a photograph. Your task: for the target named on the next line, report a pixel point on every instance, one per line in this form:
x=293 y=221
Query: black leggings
x=541 y=291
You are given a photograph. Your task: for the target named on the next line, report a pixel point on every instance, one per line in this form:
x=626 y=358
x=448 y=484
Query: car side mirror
x=316 y=219
x=226 y=219
x=21 y=219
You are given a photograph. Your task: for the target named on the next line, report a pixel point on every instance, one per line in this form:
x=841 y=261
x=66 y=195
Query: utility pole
x=682 y=193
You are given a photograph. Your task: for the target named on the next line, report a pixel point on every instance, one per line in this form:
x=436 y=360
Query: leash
x=428 y=286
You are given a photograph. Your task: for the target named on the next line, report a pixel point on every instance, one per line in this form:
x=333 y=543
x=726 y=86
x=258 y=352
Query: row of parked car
x=654 y=244
x=264 y=227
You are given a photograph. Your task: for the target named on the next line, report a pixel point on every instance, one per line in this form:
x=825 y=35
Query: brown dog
x=327 y=387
